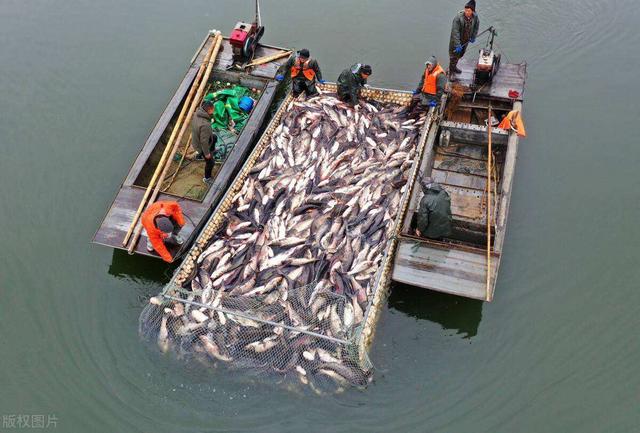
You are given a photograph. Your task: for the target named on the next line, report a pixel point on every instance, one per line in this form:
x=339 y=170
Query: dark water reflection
x=452 y=312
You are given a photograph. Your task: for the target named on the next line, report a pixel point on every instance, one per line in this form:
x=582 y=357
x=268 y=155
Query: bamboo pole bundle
x=185 y=125
x=167 y=149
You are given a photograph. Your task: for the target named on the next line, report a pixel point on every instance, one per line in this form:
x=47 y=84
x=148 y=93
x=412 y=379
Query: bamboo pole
x=267 y=59
x=489 y=173
x=186 y=123
x=163 y=158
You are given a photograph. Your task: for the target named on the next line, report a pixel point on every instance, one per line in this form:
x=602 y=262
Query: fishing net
x=285 y=279
x=226 y=110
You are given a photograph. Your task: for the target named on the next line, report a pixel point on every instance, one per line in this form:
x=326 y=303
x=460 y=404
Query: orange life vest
x=298 y=66
x=514 y=121
x=430 y=80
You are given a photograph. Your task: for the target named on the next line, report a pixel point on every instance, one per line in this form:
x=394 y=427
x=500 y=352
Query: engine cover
x=486 y=67
x=240 y=34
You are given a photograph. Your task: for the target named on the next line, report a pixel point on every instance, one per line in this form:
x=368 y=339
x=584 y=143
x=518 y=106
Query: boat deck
x=510 y=76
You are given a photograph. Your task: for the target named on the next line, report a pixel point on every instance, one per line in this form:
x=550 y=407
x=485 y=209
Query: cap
x=432 y=61
x=164 y=224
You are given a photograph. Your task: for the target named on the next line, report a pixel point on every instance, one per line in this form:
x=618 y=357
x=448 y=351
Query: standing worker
x=203 y=139
x=433 y=82
x=351 y=81
x=304 y=72
x=434 y=213
x=463 y=32
x=162 y=222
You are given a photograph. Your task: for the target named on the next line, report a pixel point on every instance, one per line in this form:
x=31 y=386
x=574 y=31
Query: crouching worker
x=434 y=214
x=433 y=83
x=203 y=140
x=162 y=222
x=304 y=72
x=351 y=81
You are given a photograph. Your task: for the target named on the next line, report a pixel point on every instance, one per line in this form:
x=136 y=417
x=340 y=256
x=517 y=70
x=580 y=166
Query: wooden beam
x=267 y=59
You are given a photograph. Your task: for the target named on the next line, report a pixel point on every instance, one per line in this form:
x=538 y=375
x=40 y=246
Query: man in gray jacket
x=433 y=83
x=203 y=139
x=464 y=30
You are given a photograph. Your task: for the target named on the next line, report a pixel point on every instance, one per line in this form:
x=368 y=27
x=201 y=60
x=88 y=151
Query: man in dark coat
x=203 y=140
x=464 y=30
x=434 y=213
x=351 y=81
x=304 y=73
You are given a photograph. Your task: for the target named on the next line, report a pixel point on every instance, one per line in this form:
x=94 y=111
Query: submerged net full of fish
x=284 y=284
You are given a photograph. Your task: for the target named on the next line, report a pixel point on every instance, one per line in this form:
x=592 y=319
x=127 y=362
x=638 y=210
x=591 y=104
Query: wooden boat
x=196 y=198
x=456 y=157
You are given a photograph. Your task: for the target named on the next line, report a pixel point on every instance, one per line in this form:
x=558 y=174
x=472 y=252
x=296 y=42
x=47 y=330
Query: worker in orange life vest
x=433 y=82
x=304 y=72
x=162 y=222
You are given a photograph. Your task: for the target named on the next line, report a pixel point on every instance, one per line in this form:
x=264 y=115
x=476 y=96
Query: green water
x=83 y=83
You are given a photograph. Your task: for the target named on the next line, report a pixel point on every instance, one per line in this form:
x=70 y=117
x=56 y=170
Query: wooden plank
x=467 y=204
x=469 y=150
x=507 y=185
x=474 y=134
x=460 y=164
x=510 y=76
x=444 y=177
x=440 y=269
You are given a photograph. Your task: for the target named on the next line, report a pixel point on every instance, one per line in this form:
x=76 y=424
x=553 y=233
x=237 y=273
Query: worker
x=351 y=81
x=304 y=72
x=434 y=213
x=463 y=32
x=162 y=222
x=203 y=140
x=433 y=82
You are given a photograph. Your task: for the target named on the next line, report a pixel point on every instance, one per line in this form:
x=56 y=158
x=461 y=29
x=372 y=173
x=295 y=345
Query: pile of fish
x=301 y=246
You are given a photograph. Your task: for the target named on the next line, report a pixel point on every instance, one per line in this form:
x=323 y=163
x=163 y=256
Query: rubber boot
x=453 y=66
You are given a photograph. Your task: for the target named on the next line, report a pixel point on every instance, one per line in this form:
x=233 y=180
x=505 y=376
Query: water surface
x=82 y=85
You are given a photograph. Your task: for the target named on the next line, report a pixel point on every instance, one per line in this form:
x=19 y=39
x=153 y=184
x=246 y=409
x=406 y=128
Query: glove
x=457 y=49
x=415 y=92
x=322 y=81
x=472 y=40
x=279 y=77
x=433 y=103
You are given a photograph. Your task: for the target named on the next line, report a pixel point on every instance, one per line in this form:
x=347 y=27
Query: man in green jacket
x=203 y=140
x=351 y=81
x=304 y=72
x=464 y=30
x=434 y=213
